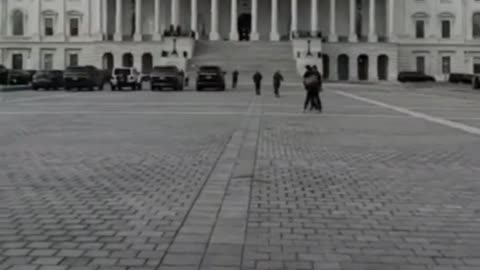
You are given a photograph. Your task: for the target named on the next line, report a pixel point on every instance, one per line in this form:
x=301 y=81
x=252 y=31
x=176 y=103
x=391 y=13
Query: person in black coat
x=277 y=80
x=316 y=94
x=309 y=84
x=234 y=79
x=257 y=80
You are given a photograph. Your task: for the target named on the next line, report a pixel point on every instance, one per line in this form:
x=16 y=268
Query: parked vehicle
x=19 y=77
x=414 y=76
x=47 y=79
x=210 y=77
x=125 y=77
x=84 y=77
x=460 y=78
x=167 y=77
x=3 y=74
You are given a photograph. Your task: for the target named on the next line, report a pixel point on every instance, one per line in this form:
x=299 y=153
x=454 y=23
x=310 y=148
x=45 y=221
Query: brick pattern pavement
x=95 y=193
x=390 y=199
x=240 y=189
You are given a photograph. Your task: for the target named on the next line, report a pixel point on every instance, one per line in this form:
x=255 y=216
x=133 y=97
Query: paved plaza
x=388 y=178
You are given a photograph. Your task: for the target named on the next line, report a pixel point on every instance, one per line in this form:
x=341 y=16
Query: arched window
x=18 y=23
x=476 y=25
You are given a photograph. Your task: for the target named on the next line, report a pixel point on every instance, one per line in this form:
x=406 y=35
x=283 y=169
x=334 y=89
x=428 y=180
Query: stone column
x=294 y=26
x=157 y=36
x=274 y=36
x=214 y=35
x=254 y=34
x=36 y=21
x=314 y=17
x=332 y=37
x=105 y=18
x=372 y=32
x=353 y=21
x=98 y=24
x=194 y=17
x=62 y=22
x=390 y=20
x=118 y=21
x=234 y=21
x=174 y=12
x=88 y=18
x=2 y=22
x=138 y=20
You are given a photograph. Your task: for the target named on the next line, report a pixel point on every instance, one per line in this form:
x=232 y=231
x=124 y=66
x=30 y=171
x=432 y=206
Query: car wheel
x=35 y=88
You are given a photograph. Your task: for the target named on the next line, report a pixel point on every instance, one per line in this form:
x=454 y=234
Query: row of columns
x=274 y=34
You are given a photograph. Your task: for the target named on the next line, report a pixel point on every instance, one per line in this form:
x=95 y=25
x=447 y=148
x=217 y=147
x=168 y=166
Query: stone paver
x=227 y=181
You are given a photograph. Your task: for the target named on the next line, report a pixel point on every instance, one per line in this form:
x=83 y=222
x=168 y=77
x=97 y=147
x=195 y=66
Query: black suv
x=210 y=77
x=414 y=76
x=47 y=79
x=84 y=77
x=167 y=77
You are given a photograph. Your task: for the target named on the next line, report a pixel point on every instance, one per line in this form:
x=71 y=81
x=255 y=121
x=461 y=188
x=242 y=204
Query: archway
x=343 y=67
x=147 y=63
x=363 y=67
x=326 y=66
x=108 y=62
x=244 y=26
x=382 y=67
x=127 y=60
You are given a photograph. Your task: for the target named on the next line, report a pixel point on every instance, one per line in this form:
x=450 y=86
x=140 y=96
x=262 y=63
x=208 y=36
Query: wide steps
x=247 y=57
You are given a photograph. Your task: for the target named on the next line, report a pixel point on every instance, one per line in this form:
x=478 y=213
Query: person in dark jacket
x=308 y=81
x=277 y=81
x=257 y=80
x=316 y=95
x=234 y=79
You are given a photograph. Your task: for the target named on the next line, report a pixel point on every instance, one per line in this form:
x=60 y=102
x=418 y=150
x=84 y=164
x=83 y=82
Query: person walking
x=234 y=79
x=316 y=95
x=309 y=82
x=257 y=80
x=277 y=81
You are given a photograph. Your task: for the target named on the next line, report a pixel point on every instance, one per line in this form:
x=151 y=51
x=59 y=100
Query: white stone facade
x=37 y=34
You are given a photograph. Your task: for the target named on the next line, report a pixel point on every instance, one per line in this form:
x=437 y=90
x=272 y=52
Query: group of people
x=257 y=81
x=312 y=81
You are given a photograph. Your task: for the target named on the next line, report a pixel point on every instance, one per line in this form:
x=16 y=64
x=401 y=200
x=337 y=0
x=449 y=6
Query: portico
x=274 y=20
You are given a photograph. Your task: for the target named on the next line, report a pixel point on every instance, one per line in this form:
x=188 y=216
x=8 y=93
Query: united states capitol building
x=349 y=39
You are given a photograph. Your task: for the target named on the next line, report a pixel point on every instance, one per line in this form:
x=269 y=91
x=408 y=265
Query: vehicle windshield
x=209 y=69
x=165 y=69
x=122 y=71
x=43 y=72
x=82 y=69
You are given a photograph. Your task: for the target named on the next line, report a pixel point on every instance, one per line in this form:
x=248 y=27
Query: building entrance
x=244 y=26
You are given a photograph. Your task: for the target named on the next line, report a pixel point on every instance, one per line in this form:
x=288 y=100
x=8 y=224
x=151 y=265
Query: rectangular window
x=420 y=64
x=17 y=61
x=420 y=29
x=74 y=24
x=73 y=60
x=445 y=29
x=48 y=26
x=48 y=61
x=446 y=65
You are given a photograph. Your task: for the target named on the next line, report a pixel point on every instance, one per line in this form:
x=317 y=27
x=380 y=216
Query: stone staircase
x=246 y=57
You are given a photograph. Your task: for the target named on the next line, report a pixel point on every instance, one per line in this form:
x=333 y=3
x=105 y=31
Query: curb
x=9 y=88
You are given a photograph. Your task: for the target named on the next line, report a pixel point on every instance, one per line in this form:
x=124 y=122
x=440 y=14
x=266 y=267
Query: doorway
x=244 y=26
x=382 y=67
x=343 y=67
x=363 y=63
